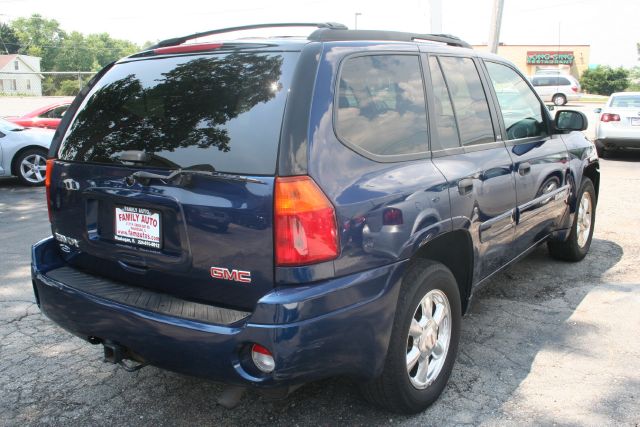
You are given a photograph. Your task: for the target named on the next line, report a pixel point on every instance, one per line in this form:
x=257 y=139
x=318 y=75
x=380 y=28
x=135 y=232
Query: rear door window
x=219 y=110
x=381 y=105
x=469 y=100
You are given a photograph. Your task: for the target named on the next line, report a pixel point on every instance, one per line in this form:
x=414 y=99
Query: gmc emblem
x=234 y=275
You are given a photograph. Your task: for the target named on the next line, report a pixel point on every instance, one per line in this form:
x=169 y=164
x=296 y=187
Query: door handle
x=524 y=168
x=465 y=186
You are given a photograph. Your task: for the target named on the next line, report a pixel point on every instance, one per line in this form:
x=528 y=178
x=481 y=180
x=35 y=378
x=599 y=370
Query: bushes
x=604 y=80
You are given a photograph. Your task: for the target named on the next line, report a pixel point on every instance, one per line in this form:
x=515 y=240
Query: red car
x=47 y=117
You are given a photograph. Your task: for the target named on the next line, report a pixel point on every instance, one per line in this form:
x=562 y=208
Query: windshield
x=224 y=110
x=7 y=126
x=626 y=101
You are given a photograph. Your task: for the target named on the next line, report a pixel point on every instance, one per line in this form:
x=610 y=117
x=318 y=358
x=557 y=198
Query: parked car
x=557 y=89
x=391 y=178
x=549 y=72
x=23 y=152
x=47 y=117
x=619 y=124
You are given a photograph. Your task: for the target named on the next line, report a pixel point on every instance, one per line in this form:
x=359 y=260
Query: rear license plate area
x=635 y=121
x=138 y=226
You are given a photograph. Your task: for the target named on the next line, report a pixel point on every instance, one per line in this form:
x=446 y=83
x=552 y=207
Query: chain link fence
x=49 y=83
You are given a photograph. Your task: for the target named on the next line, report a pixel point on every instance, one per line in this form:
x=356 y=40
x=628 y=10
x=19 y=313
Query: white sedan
x=618 y=127
x=23 y=152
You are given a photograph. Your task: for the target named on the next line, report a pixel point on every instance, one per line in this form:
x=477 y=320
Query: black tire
x=393 y=389
x=570 y=249
x=602 y=152
x=559 y=99
x=32 y=180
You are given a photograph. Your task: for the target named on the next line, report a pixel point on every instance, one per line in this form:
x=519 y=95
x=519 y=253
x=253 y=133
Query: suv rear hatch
x=165 y=176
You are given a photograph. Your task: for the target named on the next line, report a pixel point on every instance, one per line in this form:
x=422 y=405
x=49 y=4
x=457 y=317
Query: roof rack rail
x=179 y=40
x=339 y=34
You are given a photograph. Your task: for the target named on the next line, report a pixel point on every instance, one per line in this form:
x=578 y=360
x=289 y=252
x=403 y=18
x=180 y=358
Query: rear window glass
x=222 y=110
x=381 y=105
x=625 y=101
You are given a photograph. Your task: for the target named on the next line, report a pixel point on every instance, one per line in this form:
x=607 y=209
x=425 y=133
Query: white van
x=556 y=89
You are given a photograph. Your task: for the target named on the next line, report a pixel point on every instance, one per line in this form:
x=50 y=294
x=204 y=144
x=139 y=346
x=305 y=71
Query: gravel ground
x=545 y=342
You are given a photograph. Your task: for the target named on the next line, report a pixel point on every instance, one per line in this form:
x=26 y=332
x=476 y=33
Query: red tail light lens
x=574 y=88
x=305 y=223
x=608 y=117
x=47 y=184
x=184 y=48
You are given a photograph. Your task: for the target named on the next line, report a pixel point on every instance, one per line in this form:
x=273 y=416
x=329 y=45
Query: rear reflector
x=47 y=184
x=305 y=223
x=608 y=117
x=262 y=358
x=184 y=48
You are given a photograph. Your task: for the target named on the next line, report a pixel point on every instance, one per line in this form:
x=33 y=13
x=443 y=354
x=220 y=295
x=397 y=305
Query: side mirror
x=570 y=120
x=598 y=110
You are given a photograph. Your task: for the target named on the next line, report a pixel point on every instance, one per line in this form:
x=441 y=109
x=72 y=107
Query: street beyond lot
x=545 y=342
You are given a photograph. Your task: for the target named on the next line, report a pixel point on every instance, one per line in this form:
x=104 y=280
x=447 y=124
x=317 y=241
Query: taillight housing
x=392 y=216
x=574 y=88
x=608 y=117
x=305 y=223
x=47 y=184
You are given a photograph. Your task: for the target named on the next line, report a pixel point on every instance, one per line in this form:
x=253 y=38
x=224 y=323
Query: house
x=20 y=75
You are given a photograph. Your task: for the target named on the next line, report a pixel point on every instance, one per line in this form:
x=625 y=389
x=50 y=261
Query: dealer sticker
x=137 y=226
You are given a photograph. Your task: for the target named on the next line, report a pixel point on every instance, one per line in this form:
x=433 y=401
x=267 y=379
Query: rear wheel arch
x=454 y=250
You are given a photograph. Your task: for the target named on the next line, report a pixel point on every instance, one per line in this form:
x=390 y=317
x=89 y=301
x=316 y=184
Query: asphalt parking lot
x=545 y=342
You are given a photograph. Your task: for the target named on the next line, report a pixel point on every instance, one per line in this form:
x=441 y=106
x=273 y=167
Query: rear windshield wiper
x=183 y=176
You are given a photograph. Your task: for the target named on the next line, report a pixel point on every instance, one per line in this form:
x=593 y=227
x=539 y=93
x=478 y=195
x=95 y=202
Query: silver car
x=618 y=126
x=23 y=152
x=558 y=89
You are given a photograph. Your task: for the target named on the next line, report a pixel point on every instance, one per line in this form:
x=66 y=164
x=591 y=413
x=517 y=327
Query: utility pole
x=496 y=20
x=355 y=26
x=435 y=9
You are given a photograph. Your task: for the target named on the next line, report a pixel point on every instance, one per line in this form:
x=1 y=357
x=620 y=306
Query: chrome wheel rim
x=33 y=168
x=428 y=339
x=584 y=219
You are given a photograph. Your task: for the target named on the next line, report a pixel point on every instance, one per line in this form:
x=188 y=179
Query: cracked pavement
x=545 y=342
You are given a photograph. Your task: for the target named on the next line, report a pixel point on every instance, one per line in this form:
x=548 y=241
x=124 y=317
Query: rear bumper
x=334 y=327
x=619 y=143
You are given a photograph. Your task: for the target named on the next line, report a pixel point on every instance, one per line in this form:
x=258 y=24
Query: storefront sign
x=550 y=58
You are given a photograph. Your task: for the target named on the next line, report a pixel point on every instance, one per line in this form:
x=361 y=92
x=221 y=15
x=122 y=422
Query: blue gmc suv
x=265 y=212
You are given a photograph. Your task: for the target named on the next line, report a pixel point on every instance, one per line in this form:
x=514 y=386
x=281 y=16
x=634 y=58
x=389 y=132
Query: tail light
x=574 y=88
x=47 y=184
x=392 y=216
x=305 y=223
x=608 y=117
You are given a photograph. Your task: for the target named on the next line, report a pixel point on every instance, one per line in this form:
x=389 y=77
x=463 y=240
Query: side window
x=535 y=82
x=469 y=100
x=563 y=82
x=445 y=134
x=521 y=110
x=381 y=104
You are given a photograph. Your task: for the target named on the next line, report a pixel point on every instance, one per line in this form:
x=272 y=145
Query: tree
x=39 y=36
x=604 y=80
x=9 y=42
x=73 y=54
x=106 y=49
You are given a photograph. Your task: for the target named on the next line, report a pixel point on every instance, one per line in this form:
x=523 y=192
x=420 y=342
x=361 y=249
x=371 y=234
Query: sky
x=611 y=27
